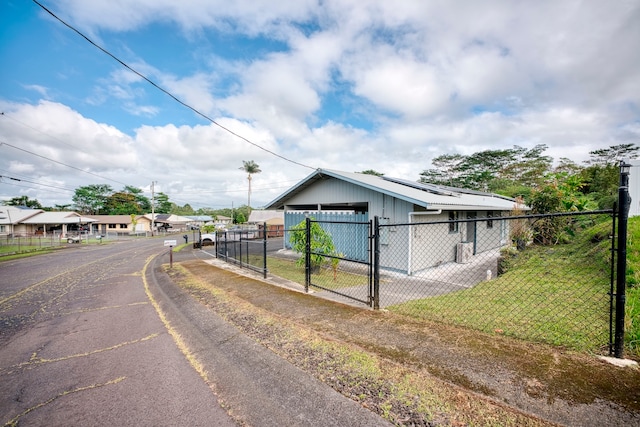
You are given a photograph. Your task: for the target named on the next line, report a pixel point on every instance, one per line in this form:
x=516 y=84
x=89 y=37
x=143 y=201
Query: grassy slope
x=632 y=324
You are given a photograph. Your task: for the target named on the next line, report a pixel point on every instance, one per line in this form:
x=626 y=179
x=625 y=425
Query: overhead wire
x=166 y=92
x=33 y=182
x=53 y=137
x=60 y=163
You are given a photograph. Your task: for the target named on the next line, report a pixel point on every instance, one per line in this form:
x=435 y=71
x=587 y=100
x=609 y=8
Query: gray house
x=403 y=207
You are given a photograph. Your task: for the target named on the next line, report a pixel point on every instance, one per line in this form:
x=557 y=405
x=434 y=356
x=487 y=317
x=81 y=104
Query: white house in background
x=120 y=224
x=356 y=197
x=170 y=221
x=11 y=218
x=56 y=223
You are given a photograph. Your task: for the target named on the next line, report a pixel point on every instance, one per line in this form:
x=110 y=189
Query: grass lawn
x=543 y=297
x=554 y=294
x=326 y=278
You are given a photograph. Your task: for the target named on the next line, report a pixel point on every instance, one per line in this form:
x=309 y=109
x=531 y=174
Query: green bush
x=321 y=243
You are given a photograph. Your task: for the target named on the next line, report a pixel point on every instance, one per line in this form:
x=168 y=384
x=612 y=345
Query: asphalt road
x=98 y=335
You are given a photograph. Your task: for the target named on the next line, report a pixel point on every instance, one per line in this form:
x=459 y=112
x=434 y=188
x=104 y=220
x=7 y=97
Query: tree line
x=529 y=174
x=102 y=199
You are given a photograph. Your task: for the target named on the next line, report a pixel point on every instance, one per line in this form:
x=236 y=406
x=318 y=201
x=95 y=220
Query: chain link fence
x=545 y=278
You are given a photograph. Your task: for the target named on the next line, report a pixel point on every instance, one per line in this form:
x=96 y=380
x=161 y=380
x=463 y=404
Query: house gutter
x=411 y=215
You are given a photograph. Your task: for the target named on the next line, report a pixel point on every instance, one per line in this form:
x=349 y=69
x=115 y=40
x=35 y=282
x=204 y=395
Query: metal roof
x=15 y=215
x=428 y=196
x=58 y=218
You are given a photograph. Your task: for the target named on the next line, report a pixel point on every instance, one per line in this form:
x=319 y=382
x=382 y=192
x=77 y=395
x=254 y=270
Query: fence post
x=376 y=263
x=624 y=202
x=264 y=250
x=307 y=255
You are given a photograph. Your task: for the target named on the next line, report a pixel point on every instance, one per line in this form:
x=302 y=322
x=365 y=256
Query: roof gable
x=14 y=215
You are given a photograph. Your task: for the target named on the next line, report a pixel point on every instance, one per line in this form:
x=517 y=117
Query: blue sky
x=346 y=85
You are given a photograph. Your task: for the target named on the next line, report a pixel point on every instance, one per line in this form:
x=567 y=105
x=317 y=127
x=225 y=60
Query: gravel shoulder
x=471 y=378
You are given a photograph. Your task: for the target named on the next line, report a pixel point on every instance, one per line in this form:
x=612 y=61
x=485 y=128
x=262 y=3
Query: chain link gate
x=346 y=270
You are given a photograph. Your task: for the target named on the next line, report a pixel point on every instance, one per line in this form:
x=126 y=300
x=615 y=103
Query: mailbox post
x=171 y=244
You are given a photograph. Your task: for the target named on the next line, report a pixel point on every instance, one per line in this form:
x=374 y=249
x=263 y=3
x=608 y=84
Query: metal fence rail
x=247 y=248
x=16 y=244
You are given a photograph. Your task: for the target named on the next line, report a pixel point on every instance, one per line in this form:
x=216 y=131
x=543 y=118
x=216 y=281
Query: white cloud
x=416 y=79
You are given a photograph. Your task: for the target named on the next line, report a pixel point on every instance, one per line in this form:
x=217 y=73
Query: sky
x=297 y=85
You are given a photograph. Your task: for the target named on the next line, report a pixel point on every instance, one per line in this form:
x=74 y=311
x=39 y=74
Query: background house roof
x=428 y=196
x=14 y=215
x=258 y=215
x=58 y=218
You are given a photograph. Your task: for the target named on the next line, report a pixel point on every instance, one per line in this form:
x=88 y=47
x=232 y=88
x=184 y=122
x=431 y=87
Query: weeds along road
x=90 y=336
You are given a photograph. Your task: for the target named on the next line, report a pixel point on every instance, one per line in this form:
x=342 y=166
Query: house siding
x=403 y=246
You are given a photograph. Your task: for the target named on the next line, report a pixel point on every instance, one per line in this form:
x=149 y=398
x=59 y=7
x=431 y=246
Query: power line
x=33 y=182
x=60 y=163
x=52 y=137
x=28 y=186
x=166 y=92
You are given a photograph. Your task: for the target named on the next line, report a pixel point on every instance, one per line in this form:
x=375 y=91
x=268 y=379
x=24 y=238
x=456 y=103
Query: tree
x=121 y=203
x=613 y=154
x=502 y=171
x=91 y=199
x=602 y=175
x=182 y=210
x=23 y=201
x=372 y=172
x=162 y=204
x=250 y=167
x=321 y=243
x=141 y=200
x=61 y=208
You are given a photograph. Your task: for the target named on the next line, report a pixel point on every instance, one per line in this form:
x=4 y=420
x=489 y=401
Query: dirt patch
x=555 y=385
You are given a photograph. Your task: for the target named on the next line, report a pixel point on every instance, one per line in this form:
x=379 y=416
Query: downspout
x=411 y=215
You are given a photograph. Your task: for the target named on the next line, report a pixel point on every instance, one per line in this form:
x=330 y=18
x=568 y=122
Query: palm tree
x=250 y=167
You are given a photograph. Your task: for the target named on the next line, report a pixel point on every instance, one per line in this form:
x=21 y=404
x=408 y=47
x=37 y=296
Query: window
x=2 y=229
x=489 y=221
x=123 y=225
x=112 y=226
x=453 y=226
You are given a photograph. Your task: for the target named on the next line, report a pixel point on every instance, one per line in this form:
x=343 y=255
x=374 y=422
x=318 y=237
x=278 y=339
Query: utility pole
x=153 y=207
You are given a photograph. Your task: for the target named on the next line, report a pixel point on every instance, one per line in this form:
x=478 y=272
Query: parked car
x=208 y=239
x=73 y=239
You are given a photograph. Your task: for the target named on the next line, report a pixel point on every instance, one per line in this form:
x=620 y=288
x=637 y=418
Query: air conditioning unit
x=464 y=252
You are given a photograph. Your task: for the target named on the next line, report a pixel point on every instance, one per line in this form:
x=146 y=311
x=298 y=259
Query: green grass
x=632 y=316
x=541 y=298
x=288 y=269
x=554 y=294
